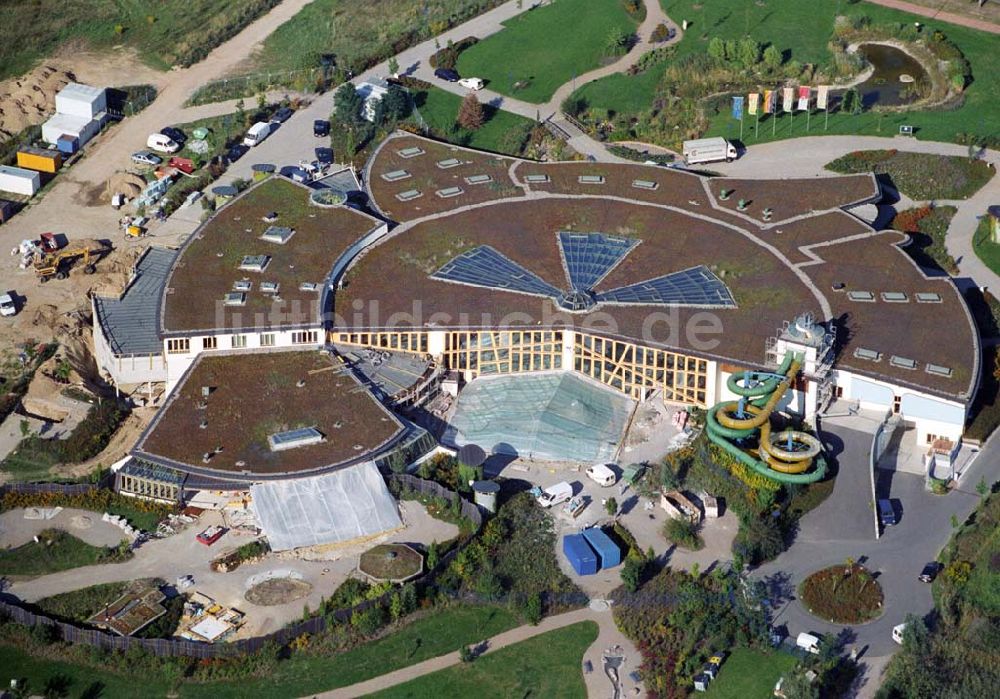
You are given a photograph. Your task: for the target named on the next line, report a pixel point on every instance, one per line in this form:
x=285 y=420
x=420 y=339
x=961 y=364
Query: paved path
x=598 y=685
x=810 y=154
x=950 y=17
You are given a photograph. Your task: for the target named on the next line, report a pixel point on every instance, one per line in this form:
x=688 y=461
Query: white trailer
x=19 y=180
x=83 y=101
x=708 y=150
x=555 y=494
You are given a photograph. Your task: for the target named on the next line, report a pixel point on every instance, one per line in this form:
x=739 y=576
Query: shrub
x=533 y=609
x=660 y=34
x=759 y=540
x=684 y=533
x=369 y=621
x=843 y=594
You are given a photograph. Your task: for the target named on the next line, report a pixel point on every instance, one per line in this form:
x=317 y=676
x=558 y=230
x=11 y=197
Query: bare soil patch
x=277 y=591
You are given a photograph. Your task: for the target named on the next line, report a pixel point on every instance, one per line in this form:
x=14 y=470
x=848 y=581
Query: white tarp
x=336 y=507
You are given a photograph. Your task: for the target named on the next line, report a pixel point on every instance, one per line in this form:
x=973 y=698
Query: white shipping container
x=81 y=100
x=19 y=180
x=83 y=128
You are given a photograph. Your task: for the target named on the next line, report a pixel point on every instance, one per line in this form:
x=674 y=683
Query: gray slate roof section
x=131 y=323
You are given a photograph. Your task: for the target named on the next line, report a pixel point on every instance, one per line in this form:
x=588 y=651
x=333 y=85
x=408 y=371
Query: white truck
x=708 y=150
x=257 y=133
x=7 y=305
x=555 y=494
x=602 y=475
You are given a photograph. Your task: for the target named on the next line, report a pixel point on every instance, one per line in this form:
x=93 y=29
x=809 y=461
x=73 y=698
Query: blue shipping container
x=579 y=554
x=68 y=144
x=607 y=551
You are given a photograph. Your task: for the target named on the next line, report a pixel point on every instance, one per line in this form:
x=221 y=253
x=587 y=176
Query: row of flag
x=767 y=103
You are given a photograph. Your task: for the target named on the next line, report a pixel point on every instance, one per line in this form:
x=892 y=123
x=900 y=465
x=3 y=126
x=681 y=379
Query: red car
x=185 y=165
x=211 y=535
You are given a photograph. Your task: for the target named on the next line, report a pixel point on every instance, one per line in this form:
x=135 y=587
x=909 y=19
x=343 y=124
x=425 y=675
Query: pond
x=898 y=78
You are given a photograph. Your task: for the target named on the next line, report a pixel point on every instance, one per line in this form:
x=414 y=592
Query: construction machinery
x=57 y=264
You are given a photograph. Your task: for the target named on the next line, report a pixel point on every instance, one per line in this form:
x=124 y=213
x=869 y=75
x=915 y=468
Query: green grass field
x=986 y=250
x=548 y=665
x=302 y=675
x=26 y=465
x=803 y=30
x=750 y=673
x=440 y=109
x=164 y=33
x=545 y=47
x=56 y=551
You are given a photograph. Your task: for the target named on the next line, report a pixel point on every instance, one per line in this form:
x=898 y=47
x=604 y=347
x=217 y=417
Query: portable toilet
x=579 y=554
x=608 y=553
x=485 y=494
x=68 y=144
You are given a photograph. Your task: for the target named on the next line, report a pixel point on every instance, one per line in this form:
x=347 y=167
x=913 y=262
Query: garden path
x=951 y=17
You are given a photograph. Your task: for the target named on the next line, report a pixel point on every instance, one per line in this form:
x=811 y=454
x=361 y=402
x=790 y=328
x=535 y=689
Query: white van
x=7 y=305
x=897 y=633
x=602 y=475
x=808 y=642
x=555 y=494
x=162 y=144
x=257 y=133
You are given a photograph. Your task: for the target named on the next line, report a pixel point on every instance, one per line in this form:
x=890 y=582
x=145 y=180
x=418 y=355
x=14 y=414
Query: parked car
x=447 y=74
x=324 y=155
x=144 y=157
x=8 y=307
x=237 y=151
x=162 y=144
x=257 y=133
x=174 y=134
x=929 y=572
x=321 y=128
x=472 y=83
x=897 y=633
x=283 y=114
x=602 y=475
x=887 y=513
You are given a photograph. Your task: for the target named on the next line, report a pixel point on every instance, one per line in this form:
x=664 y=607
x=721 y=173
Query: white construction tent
x=334 y=508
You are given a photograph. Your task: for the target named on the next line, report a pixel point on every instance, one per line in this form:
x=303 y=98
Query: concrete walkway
x=598 y=684
x=810 y=154
x=949 y=17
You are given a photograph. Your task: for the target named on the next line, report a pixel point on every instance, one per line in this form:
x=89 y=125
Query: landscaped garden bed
x=55 y=550
x=920 y=176
x=928 y=228
x=846 y=593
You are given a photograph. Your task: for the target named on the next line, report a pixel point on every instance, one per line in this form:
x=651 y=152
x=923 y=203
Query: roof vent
x=269 y=287
x=928 y=297
x=938 y=370
x=278 y=234
x=255 y=263
x=242 y=285
x=894 y=297
x=861 y=296
x=902 y=362
x=203 y=425
x=870 y=355
x=300 y=383
x=838 y=286
x=270 y=217
x=241 y=463
x=291 y=439
x=308 y=286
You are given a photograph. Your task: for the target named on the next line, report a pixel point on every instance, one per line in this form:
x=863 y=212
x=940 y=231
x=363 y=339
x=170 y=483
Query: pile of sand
x=31 y=98
x=127 y=183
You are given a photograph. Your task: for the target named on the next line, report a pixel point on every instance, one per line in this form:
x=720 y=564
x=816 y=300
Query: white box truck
x=708 y=150
x=555 y=494
x=257 y=133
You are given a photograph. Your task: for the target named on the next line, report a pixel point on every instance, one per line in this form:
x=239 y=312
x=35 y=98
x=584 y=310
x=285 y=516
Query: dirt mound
x=126 y=183
x=277 y=591
x=31 y=98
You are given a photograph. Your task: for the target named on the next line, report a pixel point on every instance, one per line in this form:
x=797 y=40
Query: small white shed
x=81 y=128
x=81 y=101
x=19 y=180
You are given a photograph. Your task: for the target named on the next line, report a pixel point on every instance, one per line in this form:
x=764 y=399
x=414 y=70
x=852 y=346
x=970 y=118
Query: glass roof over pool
x=556 y=416
x=587 y=259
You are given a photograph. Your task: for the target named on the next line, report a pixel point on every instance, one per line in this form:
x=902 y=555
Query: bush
x=660 y=34
x=846 y=593
x=369 y=621
x=684 y=533
x=760 y=539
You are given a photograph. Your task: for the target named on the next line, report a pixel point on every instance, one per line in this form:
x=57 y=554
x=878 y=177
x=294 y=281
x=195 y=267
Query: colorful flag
x=822 y=95
x=738 y=107
x=769 y=101
x=788 y=99
x=805 y=96
x=752 y=100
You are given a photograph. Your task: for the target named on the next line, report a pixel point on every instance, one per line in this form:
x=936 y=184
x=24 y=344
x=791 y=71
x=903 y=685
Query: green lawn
x=545 y=47
x=750 y=673
x=803 y=29
x=56 y=551
x=548 y=665
x=501 y=133
x=26 y=465
x=986 y=250
x=72 y=680
x=164 y=33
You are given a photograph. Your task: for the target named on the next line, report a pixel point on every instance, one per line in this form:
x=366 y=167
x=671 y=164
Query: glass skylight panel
x=486 y=267
x=254 y=263
x=291 y=439
x=588 y=257
x=696 y=286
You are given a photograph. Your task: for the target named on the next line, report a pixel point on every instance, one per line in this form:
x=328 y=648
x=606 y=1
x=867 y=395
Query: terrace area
x=243 y=414
x=230 y=274
x=790 y=198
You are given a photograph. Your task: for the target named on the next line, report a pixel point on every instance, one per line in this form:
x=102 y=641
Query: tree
x=533 y=609
x=611 y=505
x=632 y=573
x=717 y=48
x=749 y=53
x=797 y=686
x=393 y=66
x=732 y=50
x=347 y=104
x=617 y=42
x=465 y=654
x=432 y=555
x=470 y=114
x=772 y=57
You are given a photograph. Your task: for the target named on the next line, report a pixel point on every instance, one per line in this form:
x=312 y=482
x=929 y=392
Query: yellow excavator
x=58 y=263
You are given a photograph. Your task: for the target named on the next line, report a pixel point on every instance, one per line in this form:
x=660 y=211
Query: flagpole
x=808 y=115
x=826 y=117
x=756 y=125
